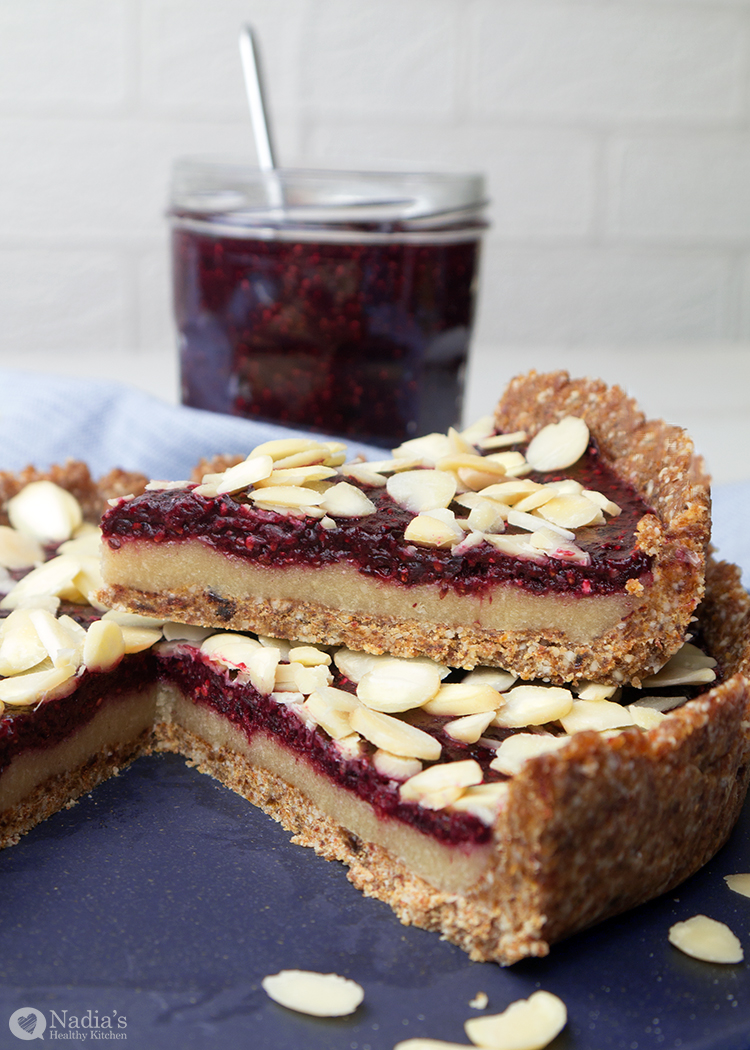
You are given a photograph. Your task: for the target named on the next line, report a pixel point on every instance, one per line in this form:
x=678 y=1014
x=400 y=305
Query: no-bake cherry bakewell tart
x=579 y=554
x=503 y=813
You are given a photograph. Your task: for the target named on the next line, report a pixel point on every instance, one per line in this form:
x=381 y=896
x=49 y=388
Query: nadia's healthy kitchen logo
x=30 y=1023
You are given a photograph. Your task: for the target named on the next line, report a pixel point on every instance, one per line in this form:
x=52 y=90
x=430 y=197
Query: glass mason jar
x=339 y=302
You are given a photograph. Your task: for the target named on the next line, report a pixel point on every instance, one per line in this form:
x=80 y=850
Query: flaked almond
x=645 y=717
x=313 y=457
x=301 y=679
x=558 y=445
x=515 y=547
x=527 y=1024
x=555 y=546
x=318 y=994
x=494 y=676
x=439 y=785
x=456 y=699
x=428 y=531
x=308 y=655
x=532 y=523
x=487 y=516
x=514 y=462
x=420 y=490
x=128 y=619
x=536 y=499
x=104 y=645
x=511 y=492
x=533 y=705
x=480 y=430
x=427 y=449
x=595 y=714
x=469 y=728
x=88 y=581
x=21 y=648
x=25 y=689
x=471 y=461
x=602 y=502
x=62 y=638
x=245 y=474
x=482 y=800
x=276 y=643
x=688 y=666
x=346 y=501
x=659 y=703
x=230 y=649
x=293 y=496
x=18 y=550
x=516 y=750
x=55 y=577
x=595 y=690
x=739 y=883
x=261 y=667
x=354 y=665
x=571 y=512
x=706 y=939
x=394 y=685
x=393 y=734
x=331 y=709
x=281 y=448
x=395 y=767
x=493 y=441
x=186 y=632
x=45 y=511
x=138 y=639
x=296 y=476
x=364 y=473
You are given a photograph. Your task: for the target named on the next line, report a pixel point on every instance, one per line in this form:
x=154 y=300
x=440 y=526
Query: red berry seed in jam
x=375 y=543
x=366 y=340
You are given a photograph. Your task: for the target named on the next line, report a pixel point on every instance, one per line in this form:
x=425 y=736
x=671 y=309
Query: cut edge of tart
x=503 y=865
x=467 y=575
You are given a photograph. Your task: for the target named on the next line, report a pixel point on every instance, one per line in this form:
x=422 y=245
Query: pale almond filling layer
x=192 y=567
x=449 y=868
x=114 y=725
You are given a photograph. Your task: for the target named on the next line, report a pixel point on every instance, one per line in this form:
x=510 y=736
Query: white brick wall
x=615 y=136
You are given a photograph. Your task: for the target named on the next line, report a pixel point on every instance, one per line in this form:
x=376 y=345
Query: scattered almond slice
x=185 y=632
x=394 y=685
x=156 y=485
x=45 y=511
x=18 y=550
x=104 y=646
x=469 y=728
x=514 y=462
x=602 y=502
x=21 y=648
x=318 y=994
x=511 y=492
x=531 y=523
x=312 y=457
x=481 y=429
x=136 y=639
x=364 y=473
x=739 y=883
x=427 y=449
x=439 y=785
x=457 y=699
x=54 y=577
x=281 y=448
x=554 y=546
x=645 y=717
x=688 y=666
x=517 y=749
x=293 y=496
x=487 y=516
x=518 y=437
x=483 y=801
x=230 y=649
x=393 y=734
x=493 y=676
x=597 y=715
x=419 y=490
x=63 y=639
x=558 y=445
x=298 y=678
x=308 y=655
x=128 y=619
x=479 y=1002
x=531 y=705
x=297 y=476
x=659 y=703
x=515 y=547
x=261 y=669
x=706 y=939
x=421 y=1042
x=595 y=691
x=429 y=531
x=571 y=512
x=527 y=1024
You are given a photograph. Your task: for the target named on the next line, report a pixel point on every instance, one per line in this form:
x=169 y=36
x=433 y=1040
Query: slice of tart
x=565 y=540
x=504 y=814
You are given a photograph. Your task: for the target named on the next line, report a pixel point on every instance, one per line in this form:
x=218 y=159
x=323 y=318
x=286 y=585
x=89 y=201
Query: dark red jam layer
x=46 y=726
x=375 y=544
x=251 y=712
x=365 y=340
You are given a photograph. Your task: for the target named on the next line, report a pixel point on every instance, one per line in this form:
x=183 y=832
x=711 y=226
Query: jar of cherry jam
x=330 y=301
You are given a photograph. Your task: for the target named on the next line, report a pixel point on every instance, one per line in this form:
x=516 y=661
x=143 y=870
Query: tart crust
x=631 y=635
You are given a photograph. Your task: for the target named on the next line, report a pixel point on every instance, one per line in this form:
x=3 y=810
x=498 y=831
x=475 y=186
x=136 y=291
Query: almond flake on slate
x=527 y=1024
x=531 y=705
x=457 y=699
x=706 y=939
x=479 y=1002
x=393 y=734
x=438 y=786
x=469 y=728
x=104 y=645
x=595 y=714
x=418 y=490
x=318 y=994
x=424 y=1043
x=394 y=685
x=516 y=750
x=739 y=883
x=45 y=511
x=558 y=445
x=18 y=550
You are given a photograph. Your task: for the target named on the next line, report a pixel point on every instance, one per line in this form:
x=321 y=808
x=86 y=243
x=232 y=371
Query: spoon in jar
x=251 y=69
